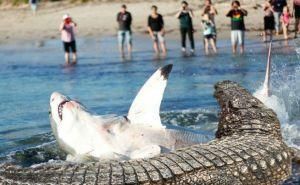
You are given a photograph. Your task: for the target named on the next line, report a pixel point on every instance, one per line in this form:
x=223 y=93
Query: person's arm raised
x=178 y=14
x=191 y=13
x=61 y=26
x=229 y=14
x=214 y=10
x=244 y=12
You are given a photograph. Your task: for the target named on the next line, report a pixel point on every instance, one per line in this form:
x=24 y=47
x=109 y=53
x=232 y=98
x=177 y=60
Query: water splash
x=284 y=99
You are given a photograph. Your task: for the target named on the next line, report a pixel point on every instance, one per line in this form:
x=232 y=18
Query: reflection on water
x=106 y=84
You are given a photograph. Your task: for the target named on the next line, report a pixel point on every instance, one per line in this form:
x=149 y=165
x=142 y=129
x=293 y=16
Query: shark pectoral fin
x=146 y=152
x=146 y=105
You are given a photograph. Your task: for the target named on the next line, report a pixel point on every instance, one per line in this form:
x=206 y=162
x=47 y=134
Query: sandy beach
x=97 y=19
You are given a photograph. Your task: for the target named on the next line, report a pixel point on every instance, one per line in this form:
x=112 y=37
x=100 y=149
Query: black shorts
x=210 y=36
x=70 y=46
x=297 y=11
x=269 y=23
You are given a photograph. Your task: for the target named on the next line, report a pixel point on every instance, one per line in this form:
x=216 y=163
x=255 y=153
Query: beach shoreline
x=98 y=20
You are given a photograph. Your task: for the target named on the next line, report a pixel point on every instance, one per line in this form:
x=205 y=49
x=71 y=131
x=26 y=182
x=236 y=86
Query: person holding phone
x=185 y=16
x=67 y=29
x=237 y=14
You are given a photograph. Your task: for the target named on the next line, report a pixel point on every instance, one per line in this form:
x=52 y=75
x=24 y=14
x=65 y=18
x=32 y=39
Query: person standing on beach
x=208 y=33
x=185 y=16
x=156 y=30
x=237 y=25
x=269 y=22
x=124 y=20
x=285 y=20
x=67 y=29
x=212 y=12
x=33 y=5
x=278 y=8
x=296 y=7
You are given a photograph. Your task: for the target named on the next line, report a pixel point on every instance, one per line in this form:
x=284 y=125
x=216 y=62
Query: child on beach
x=237 y=25
x=208 y=33
x=285 y=20
x=33 y=5
x=269 y=21
x=67 y=29
x=212 y=12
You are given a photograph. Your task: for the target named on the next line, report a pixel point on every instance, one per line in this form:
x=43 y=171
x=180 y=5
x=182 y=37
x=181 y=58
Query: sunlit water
x=107 y=85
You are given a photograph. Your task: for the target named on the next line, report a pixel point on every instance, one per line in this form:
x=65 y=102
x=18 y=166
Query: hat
x=66 y=16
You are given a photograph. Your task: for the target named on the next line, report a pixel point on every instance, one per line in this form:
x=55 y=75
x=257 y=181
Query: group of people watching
x=277 y=15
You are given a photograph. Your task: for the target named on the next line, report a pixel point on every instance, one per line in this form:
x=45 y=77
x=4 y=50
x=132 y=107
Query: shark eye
x=52 y=99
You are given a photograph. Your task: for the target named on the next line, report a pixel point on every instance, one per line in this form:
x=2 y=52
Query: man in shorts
x=237 y=26
x=124 y=20
x=67 y=29
x=156 y=30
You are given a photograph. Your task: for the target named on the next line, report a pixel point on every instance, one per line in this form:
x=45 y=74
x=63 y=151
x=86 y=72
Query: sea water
x=107 y=84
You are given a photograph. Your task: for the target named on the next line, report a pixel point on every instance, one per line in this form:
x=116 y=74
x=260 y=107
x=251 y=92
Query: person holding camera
x=67 y=29
x=236 y=13
x=185 y=16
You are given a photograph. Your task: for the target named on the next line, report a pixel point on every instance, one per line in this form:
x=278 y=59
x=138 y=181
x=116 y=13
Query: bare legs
x=162 y=46
x=129 y=50
x=212 y=43
x=67 y=58
x=285 y=30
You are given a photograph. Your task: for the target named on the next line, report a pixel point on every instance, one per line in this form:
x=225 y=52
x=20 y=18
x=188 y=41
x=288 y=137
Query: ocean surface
x=107 y=84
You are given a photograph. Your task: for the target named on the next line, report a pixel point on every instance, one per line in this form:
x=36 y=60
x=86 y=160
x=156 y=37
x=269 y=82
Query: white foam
x=284 y=103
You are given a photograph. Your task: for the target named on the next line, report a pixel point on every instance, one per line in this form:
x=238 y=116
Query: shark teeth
x=60 y=109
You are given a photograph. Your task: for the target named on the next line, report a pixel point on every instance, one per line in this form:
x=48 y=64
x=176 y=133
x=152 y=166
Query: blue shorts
x=124 y=35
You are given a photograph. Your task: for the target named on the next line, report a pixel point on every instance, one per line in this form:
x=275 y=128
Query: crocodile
x=248 y=149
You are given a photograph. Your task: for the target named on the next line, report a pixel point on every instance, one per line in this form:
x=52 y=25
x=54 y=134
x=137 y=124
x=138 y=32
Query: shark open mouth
x=60 y=108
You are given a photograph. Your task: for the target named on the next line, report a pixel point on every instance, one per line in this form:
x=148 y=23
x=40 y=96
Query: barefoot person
x=285 y=20
x=269 y=22
x=237 y=26
x=278 y=8
x=208 y=34
x=124 y=20
x=156 y=30
x=67 y=29
x=296 y=7
x=212 y=12
x=185 y=16
x=33 y=5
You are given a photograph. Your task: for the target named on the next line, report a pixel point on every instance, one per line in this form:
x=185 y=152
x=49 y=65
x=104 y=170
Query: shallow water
x=107 y=85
